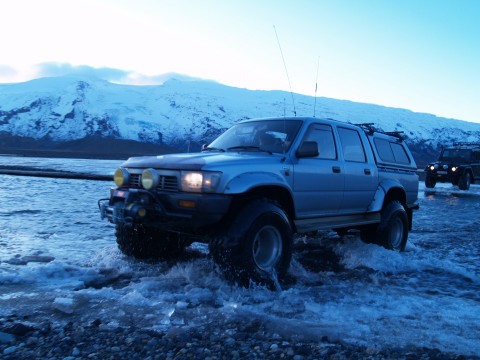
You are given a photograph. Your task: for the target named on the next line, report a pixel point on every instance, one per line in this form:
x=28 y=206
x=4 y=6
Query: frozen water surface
x=57 y=256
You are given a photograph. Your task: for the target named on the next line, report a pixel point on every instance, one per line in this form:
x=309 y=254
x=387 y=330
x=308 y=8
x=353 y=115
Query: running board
x=332 y=222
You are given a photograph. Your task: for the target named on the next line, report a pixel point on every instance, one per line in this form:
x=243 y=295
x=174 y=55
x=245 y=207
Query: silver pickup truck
x=261 y=181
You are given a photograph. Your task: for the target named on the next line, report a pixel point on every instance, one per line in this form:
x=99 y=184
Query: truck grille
x=135 y=180
x=166 y=183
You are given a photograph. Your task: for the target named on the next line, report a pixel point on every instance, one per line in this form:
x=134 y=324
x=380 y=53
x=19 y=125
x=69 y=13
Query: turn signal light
x=187 y=204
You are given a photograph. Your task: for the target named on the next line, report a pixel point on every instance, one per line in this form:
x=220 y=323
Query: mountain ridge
x=180 y=115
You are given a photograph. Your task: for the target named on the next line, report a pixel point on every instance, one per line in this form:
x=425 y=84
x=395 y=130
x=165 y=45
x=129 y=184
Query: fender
x=383 y=189
x=463 y=169
x=246 y=217
x=249 y=180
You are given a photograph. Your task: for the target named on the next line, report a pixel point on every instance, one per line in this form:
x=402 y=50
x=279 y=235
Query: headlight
x=454 y=168
x=150 y=179
x=200 y=181
x=120 y=177
x=432 y=167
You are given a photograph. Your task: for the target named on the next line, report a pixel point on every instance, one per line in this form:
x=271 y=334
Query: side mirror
x=307 y=149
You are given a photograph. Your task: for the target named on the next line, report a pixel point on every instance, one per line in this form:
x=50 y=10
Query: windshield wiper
x=213 y=149
x=248 y=147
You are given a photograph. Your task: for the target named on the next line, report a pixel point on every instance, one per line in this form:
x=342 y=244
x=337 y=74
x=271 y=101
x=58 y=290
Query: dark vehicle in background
x=458 y=164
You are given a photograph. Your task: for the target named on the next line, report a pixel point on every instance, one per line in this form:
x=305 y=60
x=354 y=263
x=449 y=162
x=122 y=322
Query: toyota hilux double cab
x=263 y=180
x=458 y=164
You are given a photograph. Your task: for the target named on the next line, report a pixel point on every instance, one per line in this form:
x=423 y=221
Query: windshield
x=266 y=135
x=455 y=154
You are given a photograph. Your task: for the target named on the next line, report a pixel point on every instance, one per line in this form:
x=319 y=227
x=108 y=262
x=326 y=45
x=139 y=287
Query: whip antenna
x=286 y=71
x=316 y=86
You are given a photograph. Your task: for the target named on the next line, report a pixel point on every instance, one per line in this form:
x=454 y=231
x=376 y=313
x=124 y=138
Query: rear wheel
x=143 y=242
x=257 y=246
x=465 y=181
x=392 y=232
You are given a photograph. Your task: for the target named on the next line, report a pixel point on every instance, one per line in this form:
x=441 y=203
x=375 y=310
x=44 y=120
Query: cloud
x=8 y=74
x=7 y=71
x=53 y=69
x=140 y=79
x=56 y=69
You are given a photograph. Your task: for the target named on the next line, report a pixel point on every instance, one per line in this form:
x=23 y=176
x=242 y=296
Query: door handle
x=367 y=171
x=336 y=169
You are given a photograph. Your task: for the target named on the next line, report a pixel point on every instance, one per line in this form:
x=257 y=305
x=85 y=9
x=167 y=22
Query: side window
x=323 y=135
x=384 y=150
x=401 y=156
x=391 y=152
x=351 y=145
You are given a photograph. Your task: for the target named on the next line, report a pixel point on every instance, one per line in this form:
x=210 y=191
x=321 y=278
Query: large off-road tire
x=143 y=242
x=430 y=182
x=465 y=181
x=263 y=240
x=392 y=232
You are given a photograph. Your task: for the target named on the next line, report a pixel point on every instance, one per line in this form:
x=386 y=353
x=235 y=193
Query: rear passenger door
x=319 y=181
x=361 y=174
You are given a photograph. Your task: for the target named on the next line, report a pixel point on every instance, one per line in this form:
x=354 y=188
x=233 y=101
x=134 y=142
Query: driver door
x=319 y=181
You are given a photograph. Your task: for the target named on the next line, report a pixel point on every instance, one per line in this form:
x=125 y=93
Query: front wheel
x=465 y=181
x=257 y=246
x=392 y=232
x=144 y=242
x=430 y=182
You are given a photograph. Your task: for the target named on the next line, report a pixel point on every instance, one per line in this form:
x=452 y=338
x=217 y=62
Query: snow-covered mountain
x=182 y=113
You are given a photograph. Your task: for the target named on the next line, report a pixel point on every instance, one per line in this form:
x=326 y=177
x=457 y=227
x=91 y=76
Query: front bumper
x=443 y=176
x=169 y=211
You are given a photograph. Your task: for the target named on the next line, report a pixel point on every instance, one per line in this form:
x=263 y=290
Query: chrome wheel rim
x=267 y=248
x=396 y=234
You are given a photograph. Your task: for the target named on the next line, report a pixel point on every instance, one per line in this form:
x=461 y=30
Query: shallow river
x=58 y=257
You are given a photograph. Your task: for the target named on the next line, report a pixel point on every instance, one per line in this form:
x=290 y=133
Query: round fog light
x=150 y=179
x=120 y=177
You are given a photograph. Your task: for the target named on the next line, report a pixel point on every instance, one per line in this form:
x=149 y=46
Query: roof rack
x=473 y=144
x=370 y=129
x=397 y=134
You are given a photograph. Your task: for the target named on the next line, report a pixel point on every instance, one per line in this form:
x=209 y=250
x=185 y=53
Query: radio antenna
x=286 y=71
x=316 y=86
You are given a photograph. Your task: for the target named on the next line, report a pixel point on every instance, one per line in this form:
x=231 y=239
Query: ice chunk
x=65 y=305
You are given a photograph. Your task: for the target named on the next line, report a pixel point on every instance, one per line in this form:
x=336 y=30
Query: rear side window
x=384 y=150
x=401 y=156
x=391 y=151
x=351 y=145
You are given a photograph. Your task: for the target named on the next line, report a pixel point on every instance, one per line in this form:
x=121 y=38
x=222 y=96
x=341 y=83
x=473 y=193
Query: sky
x=421 y=55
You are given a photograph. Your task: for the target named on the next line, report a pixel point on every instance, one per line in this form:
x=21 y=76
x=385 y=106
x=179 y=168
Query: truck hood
x=198 y=161
x=440 y=164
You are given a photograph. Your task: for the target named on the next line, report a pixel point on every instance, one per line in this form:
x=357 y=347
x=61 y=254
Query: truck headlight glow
x=120 y=177
x=454 y=168
x=150 y=179
x=200 y=181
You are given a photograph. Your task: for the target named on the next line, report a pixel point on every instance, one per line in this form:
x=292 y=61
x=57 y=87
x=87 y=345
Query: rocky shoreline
x=27 y=338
